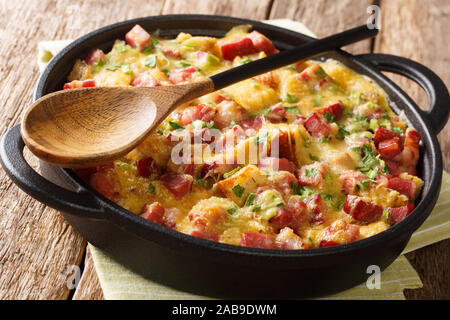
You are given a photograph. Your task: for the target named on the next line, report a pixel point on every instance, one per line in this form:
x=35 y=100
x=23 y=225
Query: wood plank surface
x=37 y=247
x=419 y=30
x=335 y=16
x=89 y=285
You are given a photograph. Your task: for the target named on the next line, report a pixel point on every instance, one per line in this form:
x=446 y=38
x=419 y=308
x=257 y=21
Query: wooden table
x=37 y=247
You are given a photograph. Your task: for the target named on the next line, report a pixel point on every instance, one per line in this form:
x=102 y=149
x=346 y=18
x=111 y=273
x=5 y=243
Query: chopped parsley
x=313 y=158
x=147 y=49
x=238 y=190
x=232 y=210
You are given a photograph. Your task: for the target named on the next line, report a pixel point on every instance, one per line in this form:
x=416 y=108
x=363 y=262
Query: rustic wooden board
x=324 y=17
x=419 y=30
x=37 y=247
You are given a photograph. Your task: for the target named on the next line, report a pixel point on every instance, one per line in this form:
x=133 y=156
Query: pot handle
x=80 y=202
x=438 y=112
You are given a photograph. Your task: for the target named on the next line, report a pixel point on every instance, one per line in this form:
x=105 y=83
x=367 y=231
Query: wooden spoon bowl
x=89 y=126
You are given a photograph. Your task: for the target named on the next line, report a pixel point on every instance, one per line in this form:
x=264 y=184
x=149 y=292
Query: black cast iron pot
x=215 y=269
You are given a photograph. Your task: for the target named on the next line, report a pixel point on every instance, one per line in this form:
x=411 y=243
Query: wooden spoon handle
x=286 y=57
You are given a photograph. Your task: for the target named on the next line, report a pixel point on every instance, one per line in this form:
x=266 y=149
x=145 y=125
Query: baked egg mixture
x=344 y=168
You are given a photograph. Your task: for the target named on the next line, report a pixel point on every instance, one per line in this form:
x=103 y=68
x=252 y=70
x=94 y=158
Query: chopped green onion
x=232 y=210
x=244 y=61
x=238 y=190
x=290 y=98
x=250 y=199
x=293 y=110
x=313 y=158
x=329 y=117
x=151 y=188
x=176 y=124
x=310 y=172
x=256 y=208
x=150 y=61
x=230 y=173
x=127 y=69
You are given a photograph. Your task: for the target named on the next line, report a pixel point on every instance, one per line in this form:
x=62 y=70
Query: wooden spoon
x=89 y=126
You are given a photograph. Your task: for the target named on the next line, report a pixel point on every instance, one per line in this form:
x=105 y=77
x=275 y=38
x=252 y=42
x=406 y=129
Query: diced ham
x=200 y=233
x=256 y=240
x=393 y=167
x=270 y=163
x=79 y=84
x=390 y=148
x=153 y=212
x=148 y=168
x=313 y=72
x=145 y=80
x=350 y=180
x=199 y=112
x=327 y=243
x=398 y=214
x=362 y=210
x=317 y=126
x=262 y=43
x=173 y=53
x=171 y=216
x=177 y=184
x=214 y=169
x=138 y=38
x=105 y=182
x=288 y=240
x=299 y=119
x=227 y=111
x=206 y=221
x=95 y=56
x=253 y=123
x=339 y=232
x=336 y=110
x=267 y=78
x=237 y=47
x=277 y=113
x=403 y=186
x=181 y=75
x=313 y=174
x=292 y=216
x=382 y=134
x=317 y=208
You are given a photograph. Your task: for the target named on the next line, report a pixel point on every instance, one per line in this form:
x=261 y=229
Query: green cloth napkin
x=120 y=283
